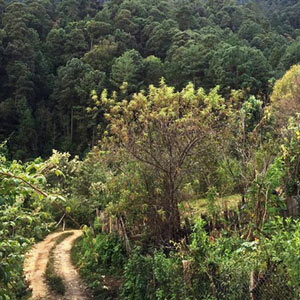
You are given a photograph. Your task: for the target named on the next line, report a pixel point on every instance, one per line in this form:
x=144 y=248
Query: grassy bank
x=196 y=207
x=99 y=273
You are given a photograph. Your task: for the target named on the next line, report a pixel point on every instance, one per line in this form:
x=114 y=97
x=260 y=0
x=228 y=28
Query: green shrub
x=154 y=277
x=138 y=277
x=103 y=255
x=169 y=279
x=18 y=230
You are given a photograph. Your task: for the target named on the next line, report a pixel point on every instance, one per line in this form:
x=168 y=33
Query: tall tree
x=128 y=68
x=72 y=93
x=235 y=67
x=166 y=131
x=286 y=94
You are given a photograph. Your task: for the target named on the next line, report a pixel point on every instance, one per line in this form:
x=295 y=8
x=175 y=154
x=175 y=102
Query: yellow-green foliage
x=285 y=98
x=198 y=206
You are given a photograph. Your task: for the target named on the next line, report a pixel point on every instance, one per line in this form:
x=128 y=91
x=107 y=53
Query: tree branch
x=37 y=190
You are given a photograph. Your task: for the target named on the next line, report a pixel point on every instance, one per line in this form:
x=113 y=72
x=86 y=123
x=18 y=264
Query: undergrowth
x=100 y=261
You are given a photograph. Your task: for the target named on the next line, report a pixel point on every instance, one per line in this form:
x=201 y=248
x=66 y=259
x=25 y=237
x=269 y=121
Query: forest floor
x=36 y=263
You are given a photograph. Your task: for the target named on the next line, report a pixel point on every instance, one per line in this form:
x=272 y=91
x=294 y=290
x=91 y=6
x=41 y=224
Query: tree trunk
x=252 y=289
x=93 y=138
x=291 y=206
x=71 y=125
x=174 y=221
x=171 y=220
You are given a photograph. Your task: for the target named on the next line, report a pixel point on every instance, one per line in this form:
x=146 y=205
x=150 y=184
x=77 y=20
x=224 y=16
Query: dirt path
x=35 y=265
x=36 y=262
x=75 y=290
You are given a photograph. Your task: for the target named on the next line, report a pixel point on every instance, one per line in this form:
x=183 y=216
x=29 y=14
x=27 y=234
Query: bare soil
x=35 y=267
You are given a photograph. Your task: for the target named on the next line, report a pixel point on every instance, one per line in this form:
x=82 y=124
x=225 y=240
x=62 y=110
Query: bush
x=154 y=277
x=138 y=277
x=103 y=255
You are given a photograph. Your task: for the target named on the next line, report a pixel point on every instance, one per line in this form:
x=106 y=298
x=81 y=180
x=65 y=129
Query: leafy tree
x=291 y=56
x=153 y=70
x=46 y=129
x=285 y=96
x=249 y=30
x=40 y=19
x=55 y=44
x=22 y=221
x=123 y=20
x=190 y=61
x=75 y=44
x=26 y=134
x=74 y=83
x=184 y=15
x=162 y=130
x=236 y=45
x=230 y=16
x=125 y=40
x=238 y=67
x=128 y=68
x=291 y=157
x=160 y=37
x=2 y=8
x=21 y=48
x=101 y=56
x=97 y=30
x=272 y=45
x=70 y=11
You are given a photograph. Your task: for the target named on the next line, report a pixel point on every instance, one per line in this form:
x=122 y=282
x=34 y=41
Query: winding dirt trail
x=36 y=262
x=75 y=290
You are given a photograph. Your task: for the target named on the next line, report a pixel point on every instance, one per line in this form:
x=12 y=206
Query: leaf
x=59 y=173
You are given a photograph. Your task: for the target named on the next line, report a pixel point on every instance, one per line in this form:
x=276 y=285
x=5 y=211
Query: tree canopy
x=236 y=45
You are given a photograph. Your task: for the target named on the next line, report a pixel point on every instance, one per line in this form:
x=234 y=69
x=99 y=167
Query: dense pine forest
x=168 y=132
x=54 y=53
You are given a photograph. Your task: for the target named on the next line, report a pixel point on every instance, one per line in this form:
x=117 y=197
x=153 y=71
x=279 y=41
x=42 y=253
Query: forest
x=167 y=132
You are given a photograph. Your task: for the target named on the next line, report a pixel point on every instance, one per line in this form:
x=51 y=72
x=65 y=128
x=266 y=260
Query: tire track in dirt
x=75 y=289
x=36 y=262
x=35 y=265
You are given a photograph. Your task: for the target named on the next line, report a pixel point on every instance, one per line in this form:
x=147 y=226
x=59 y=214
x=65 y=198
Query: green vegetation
x=200 y=206
x=100 y=260
x=74 y=47
x=53 y=280
x=177 y=131
x=173 y=159
x=23 y=219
